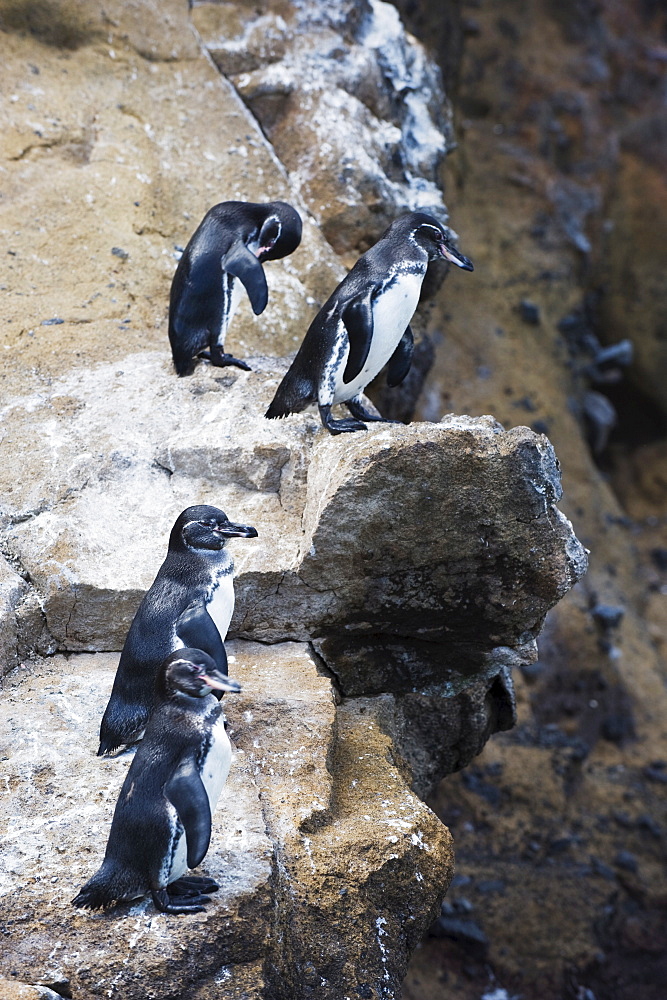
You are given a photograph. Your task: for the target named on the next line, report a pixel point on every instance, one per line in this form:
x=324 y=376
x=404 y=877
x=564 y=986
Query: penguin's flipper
x=197 y=630
x=185 y=790
x=243 y=264
x=358 y=319
x=401 y=359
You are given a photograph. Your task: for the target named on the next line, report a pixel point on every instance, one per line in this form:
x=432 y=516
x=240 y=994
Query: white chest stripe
x=214 y=772
x=221 y=605
x=392 y=311
x=232 y=291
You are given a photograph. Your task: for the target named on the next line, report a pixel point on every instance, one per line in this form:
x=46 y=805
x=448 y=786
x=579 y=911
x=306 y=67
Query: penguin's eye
x=430 y=233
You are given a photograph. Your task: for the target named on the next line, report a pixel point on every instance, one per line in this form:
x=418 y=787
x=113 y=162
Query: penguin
x=162 y=821
x=190 y=603
x=365 y=324
x=226 y=251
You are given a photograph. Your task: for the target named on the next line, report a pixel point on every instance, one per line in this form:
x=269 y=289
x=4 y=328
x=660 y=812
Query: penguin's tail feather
x=111 y=884
x=292 y=396
x=108 y=746
x=123 y=723
x=183 y=363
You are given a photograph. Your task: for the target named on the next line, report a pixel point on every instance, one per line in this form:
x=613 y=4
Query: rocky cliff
x=558 y=187
x=397 y=579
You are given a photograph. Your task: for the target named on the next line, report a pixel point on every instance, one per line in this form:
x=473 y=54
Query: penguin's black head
x=204 y=527
x=280 y=231
x=428 y=234
x=192 y=672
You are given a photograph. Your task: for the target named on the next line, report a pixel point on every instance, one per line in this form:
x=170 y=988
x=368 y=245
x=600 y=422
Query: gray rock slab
x=433 y=533
x=56 y=816
x=13 y=589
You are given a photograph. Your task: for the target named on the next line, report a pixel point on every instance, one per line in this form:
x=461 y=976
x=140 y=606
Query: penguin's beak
x=220 y=682
x=262 y=251
x=449 y=253
x=230 y=530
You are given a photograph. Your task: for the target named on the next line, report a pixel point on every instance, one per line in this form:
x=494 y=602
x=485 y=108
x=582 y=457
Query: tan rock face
x=112 y=159
x=12 y=990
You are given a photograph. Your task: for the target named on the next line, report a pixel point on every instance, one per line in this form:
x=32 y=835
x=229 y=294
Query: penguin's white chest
x=214 y=772
x=392 y=311
x=216 y=764
x=220 y=604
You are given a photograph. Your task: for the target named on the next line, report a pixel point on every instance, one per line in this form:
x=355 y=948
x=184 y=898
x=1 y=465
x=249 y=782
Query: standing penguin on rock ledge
x=365 y=324
x=190 y=603
x=226 y=251
x=162 y=822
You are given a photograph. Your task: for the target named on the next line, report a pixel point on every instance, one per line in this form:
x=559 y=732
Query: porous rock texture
x=398 y=575
x=350 y=103
x=558 y=191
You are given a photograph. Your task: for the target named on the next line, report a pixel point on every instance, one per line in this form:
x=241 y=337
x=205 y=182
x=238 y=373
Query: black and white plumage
x=162 y=821
x=225 y=255
x=365 y=324
x=190 y=603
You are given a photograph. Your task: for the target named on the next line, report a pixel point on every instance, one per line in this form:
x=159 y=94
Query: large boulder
x=416 y=558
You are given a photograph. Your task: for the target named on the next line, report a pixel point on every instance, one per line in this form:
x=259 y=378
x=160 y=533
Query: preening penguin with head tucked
x=162 y=822
x=190 y=603
x=225 y=255
x=365 y=325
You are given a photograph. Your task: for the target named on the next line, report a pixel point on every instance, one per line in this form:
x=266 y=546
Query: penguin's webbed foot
x=179 y=904
x=192 y=885
x=345 y=425
x=218 y=358
x=340 y=426
x=357 y=409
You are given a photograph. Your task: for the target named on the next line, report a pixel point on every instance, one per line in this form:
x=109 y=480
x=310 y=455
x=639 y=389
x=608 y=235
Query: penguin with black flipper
x=365 y=324
x=162 y=821
x=225 y=255
x=190 y=603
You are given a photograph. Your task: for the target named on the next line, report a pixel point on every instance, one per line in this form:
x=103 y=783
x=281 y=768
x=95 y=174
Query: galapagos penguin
x=365 y=324
x=190 y=603
x=162 y=821
x=226 y=251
